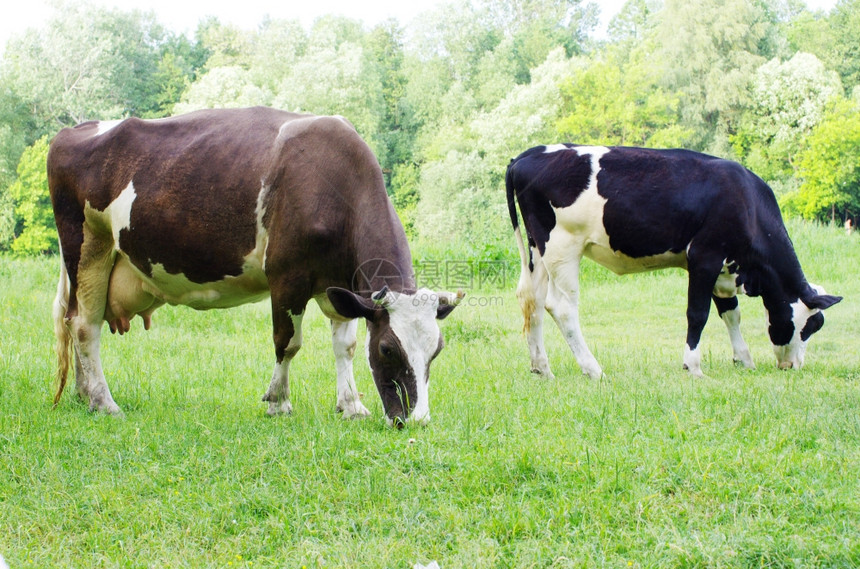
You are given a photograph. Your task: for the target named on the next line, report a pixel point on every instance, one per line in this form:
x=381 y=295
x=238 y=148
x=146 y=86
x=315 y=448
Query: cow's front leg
x=699 y=287
x=287 y=335
x=531 y=293
x=562 y=302
x=343 y=343
x=730 y=313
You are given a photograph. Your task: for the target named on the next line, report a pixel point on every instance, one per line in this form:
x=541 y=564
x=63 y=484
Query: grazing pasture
x=648 y=467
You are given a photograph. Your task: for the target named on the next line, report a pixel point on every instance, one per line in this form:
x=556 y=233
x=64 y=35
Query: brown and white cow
x=635 y=209
x=218 y=208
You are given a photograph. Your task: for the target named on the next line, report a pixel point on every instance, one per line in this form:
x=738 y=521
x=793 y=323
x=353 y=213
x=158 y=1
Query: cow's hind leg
x=343 y=343
x=85 y=316
x=730 y=313
x=531 y=293
x=287 y=336
x=562 y=302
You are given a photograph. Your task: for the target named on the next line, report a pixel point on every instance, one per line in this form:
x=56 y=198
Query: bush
x=35 y=229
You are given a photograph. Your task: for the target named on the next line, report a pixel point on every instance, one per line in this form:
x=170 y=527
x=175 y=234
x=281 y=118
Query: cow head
x=403 y=339
x=791 y=324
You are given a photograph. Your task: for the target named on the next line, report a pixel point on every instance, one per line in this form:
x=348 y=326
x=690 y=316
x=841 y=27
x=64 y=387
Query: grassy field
x=646 y=468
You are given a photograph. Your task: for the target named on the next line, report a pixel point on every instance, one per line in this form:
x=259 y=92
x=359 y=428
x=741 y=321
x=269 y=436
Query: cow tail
x=63 y=347
x=525 y=286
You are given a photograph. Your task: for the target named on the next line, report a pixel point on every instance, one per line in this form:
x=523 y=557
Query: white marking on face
x=412 y=318
x=106 y=126
x=793 y=354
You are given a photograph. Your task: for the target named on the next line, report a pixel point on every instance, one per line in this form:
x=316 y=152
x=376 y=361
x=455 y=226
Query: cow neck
x=782 y=274
x=382 y=252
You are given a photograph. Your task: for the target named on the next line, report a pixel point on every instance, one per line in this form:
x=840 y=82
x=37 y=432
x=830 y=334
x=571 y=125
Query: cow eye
x=387 y=351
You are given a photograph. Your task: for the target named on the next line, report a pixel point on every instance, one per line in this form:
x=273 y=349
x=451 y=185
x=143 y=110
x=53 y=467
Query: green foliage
x=466 y=86
x=608 y=103
x=456 y=204
x=404 y=195
x=788 y=101
x=36 y=231
x=830 y=167
x=707 y=51
x=832 y=38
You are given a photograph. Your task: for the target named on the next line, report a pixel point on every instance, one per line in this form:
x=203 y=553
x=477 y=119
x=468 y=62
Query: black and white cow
x=633 y=210
x=219 y=208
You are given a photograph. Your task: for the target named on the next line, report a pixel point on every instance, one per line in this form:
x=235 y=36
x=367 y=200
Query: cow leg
x=85 y=318
x=531 y=292
x=288 y=339
x=699 y=287
x=343 y=343
x=731 y=315
x=562 y=302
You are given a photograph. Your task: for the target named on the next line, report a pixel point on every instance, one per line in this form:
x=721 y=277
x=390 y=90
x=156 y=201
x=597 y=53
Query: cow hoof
x=111 y=409
x=697 y=372
x=593 y=373
x=282 y=408
x=353 y=410
x=545 y=372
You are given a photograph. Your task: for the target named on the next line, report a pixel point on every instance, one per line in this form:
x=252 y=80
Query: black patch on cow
x=781 y=326
x=393 y=374
x=656 y=202
x=813 y=325
x=725 y=304
x=542 y=181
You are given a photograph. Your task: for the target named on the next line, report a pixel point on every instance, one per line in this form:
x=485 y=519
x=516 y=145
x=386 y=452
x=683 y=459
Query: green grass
x=646 y=468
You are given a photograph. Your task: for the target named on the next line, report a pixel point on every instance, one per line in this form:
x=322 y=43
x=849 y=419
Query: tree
x=709 y=50
x=36 y=231
x=223 y=87
x=788 y=99
x=832 y=38
x=94 y=63
x=608 y=103
x=384 y=58
x=830 y=167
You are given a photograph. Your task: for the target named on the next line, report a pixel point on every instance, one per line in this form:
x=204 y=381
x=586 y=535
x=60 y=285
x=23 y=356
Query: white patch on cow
x=250 y=286
x=727 y=282
x=256 y=259
x=550 y=148
x=693 y=360
x=740 y=350
x=120 y=212
x=596 y=153
x=412 y=318
x=580 y=231
x=106 y=126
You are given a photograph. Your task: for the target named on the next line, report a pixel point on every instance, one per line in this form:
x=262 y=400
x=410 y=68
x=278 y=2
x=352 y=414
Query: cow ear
x=822 y=301
x=350 y=305
x=447 y=303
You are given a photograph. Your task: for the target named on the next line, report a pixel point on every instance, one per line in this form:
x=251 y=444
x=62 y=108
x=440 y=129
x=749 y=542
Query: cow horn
x=379 y=297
